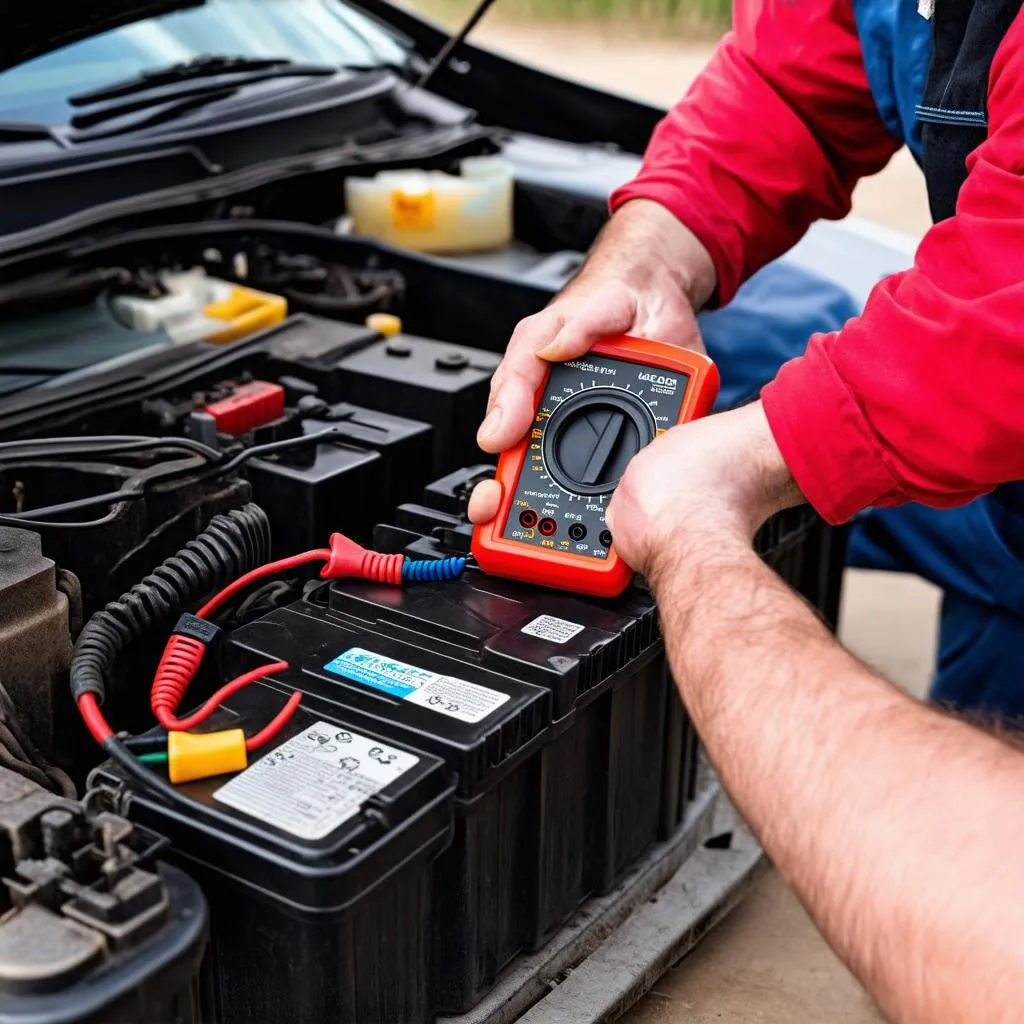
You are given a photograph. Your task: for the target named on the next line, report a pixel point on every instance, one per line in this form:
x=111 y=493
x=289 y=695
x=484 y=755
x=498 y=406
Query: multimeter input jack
x=577 y=531
x=547 y=527
x=528 y=519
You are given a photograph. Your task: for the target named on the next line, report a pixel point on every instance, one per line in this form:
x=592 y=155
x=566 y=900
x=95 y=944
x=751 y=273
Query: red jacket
x=921 y=398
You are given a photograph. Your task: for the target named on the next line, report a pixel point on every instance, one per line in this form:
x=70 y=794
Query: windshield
x=314 y=31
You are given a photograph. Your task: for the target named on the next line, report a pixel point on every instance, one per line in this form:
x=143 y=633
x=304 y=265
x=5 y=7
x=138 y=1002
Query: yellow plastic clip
x=202 y=755
x=246 y=311
x=384 y=323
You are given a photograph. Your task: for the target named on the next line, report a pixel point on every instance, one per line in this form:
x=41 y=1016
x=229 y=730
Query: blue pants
x=974 y=553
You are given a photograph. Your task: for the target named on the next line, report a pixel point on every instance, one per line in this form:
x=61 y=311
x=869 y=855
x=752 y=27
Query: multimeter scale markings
x=595 y=415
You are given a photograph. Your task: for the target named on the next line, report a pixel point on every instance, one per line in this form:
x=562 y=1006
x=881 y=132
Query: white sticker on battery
x=548 y=627
x=315 y=781
x=457 y=698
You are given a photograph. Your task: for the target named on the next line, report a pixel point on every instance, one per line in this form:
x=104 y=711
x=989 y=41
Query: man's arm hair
x=899 y=827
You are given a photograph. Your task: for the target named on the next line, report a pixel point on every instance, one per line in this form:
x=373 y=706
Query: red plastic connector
x=252 y=405
x=351 y=559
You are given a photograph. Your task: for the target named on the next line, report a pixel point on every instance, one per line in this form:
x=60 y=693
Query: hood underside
x=32 y=29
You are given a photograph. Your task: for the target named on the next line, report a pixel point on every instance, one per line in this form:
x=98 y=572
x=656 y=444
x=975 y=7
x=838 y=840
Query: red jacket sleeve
x=773 y=135
x=922 y=397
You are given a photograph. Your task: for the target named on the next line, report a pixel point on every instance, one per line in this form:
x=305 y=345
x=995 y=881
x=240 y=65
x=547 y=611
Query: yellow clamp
x=202 y=755
x=244 y=312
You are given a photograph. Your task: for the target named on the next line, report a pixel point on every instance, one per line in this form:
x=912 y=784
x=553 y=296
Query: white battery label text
x=456 y=698
x=315 y=781
x=549 y=627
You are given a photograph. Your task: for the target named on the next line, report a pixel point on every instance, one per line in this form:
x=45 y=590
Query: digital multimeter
x=593 y=415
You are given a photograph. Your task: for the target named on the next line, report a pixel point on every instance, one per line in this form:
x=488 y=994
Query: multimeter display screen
x=596 y=414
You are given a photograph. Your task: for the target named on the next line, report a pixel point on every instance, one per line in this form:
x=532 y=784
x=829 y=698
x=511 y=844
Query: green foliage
x=709 y=17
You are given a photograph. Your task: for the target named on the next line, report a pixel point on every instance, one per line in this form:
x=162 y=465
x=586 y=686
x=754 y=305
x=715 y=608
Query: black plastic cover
x=444 y=385
x=310 y=493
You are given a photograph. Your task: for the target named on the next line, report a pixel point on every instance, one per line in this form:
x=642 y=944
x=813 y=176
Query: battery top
x=573 y=647
x=320 y=812
x=423 y=694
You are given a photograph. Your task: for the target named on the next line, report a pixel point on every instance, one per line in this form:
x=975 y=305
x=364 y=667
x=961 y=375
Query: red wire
x=183 y=655
x=260 y=573
x=173 y=724
x=268 y=732
x=93 y=718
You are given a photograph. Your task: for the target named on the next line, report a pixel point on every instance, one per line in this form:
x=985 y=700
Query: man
x=919 y=402
x=898 y=827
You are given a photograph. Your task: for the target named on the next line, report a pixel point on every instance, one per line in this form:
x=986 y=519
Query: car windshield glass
x=317 y=31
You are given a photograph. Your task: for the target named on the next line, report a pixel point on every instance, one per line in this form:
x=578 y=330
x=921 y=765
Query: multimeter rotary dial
x=591 y=437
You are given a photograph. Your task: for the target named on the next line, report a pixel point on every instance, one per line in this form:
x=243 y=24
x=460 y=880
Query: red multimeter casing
x=592 y=414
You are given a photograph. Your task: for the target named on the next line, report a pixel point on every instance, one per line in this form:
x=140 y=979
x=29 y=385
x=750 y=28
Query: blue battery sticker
x=446 y=695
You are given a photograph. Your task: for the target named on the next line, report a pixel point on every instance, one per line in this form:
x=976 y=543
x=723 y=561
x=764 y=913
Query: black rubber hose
x=230 y=546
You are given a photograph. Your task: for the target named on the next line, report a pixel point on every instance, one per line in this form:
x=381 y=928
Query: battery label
x=315 y=781
x=446 y=695
x=549 y=627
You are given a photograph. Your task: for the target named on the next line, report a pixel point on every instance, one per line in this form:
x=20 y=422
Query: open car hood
x=32 y=29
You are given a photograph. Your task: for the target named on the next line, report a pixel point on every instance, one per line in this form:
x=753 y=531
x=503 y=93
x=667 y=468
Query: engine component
x=430 y=211
x=195 y=307
x=451 y=493
x=95 y=929
x=231 y=545
x=350 y=482
x=316 y=861
x=310 y=492
x=442 y=385
x=553 y=713
x=330 y=289
x=35 y=638
x=154 y=514
x=405 y=445
x=248 y=406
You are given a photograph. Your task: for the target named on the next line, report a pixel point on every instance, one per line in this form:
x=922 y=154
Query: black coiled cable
x=228 y=547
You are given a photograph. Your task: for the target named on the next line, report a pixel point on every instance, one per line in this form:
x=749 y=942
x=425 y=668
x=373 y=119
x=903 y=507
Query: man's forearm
x=899 y=828
x=643 y=240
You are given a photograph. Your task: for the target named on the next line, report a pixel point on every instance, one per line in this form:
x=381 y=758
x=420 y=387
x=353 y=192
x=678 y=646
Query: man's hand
x=647 y=276
x=709 y=481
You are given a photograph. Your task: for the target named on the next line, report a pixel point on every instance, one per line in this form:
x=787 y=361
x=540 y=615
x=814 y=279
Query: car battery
x=451 y=493
x=490 y=729
x=443 y=385
x=316 y=862
x=552 y=714
x=605 y=669
x=424 y=531
x=405 y=445
x=308 y=493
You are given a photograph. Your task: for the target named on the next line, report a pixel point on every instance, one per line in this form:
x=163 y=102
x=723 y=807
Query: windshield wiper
x=201 y=68
x=214 y=79
x=29 y=131
x=165 y=108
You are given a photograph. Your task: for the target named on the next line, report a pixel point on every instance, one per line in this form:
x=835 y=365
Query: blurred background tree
x=704 y=19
